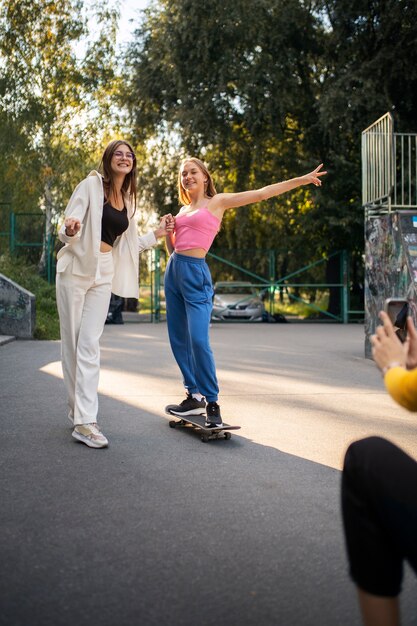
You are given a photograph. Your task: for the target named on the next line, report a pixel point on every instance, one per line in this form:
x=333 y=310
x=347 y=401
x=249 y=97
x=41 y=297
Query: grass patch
x=302 y=309
x=27 y=276
x=145 y=302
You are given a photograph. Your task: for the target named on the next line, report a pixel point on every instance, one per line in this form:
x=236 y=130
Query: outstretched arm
x=232 y=200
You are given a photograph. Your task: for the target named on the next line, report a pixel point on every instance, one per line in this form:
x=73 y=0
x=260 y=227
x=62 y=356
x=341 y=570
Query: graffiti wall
x=390 y=265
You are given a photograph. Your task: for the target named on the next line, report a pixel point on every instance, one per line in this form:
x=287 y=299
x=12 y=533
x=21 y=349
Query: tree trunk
x=43 y=261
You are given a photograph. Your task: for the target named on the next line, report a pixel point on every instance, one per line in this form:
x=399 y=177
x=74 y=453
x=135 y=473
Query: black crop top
x=113 y=223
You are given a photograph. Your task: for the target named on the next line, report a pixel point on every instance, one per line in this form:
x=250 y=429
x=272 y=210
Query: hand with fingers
x=387 y=349
x=169 y=222
x=72 y=226
x=411 y=343
x=166 y=226
x=314 y=176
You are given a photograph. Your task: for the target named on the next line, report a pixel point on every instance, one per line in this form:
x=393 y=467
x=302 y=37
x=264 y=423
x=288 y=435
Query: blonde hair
x=210 y=189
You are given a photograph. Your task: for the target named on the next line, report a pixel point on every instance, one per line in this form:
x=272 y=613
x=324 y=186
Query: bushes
x=27 y=276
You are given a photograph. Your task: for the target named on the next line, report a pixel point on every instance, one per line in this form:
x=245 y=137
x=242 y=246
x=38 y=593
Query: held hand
x=313 y=177
x=387 y=349
x=166 y=226
x=72 y=226
x=169 y=222
x=411 y=341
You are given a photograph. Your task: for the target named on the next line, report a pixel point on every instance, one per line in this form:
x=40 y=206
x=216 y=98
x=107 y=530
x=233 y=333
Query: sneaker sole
x=185 y=413
x=87 y=441
x=211 y=425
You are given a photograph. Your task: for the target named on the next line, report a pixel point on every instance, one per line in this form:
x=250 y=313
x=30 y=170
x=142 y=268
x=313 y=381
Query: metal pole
x=271 y=290
x=157 y=279
x=150 y=267
x=12 y=232
x=344 y=279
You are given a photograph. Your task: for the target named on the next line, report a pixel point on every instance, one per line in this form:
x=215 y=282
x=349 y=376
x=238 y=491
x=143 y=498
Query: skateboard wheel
x=204 y=438
x=227 y=435
x=172 y=423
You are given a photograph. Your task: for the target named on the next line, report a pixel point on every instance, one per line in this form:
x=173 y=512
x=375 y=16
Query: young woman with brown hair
x=100 y=256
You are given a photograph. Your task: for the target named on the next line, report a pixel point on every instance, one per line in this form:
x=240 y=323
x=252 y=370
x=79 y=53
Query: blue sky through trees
x=129 y=16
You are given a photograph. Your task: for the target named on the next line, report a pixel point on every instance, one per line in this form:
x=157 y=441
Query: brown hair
x=129 y=183
x=210 y=189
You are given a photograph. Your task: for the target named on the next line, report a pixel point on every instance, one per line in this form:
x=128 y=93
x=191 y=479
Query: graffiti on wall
x=17 y=309
x=390 y=265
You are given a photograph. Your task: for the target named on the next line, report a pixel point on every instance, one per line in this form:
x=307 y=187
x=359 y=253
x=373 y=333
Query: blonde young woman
x=188 y=285
x=100 y=256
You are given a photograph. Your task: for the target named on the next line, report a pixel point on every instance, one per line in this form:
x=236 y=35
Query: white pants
x=83 y=304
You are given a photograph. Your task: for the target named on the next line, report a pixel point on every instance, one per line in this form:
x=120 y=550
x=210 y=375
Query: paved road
x=162 y=529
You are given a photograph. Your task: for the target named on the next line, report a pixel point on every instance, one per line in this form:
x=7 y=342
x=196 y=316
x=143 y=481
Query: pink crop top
x=196 y=231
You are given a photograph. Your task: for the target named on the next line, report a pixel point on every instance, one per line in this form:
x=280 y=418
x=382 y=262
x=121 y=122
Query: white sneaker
x=91 y=435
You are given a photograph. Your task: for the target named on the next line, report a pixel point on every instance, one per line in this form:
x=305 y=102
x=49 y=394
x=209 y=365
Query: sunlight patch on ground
x=317 y=424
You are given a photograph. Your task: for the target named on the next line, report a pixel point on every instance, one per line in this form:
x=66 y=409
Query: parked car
x=235 y=300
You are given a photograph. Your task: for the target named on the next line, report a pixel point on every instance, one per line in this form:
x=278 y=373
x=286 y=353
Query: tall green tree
x=263 y=90
x=367 y=68
x=232 y=82
x=56 y=86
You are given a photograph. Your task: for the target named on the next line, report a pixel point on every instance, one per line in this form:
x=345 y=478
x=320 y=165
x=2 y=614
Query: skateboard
x=197 y=422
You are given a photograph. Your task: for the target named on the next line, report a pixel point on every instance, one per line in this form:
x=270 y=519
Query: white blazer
x=82 y=250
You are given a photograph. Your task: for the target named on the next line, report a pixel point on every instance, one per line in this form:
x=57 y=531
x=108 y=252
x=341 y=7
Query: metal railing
x=272 y=285
x=40 y=240
x=405 y=187
x=389 y=168
x=265 y=281
x=378 y=163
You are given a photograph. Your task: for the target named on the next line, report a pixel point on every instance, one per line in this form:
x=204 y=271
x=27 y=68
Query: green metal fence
x=22 y=237
x=290 y=286
x=305 y=287
x=5 y=210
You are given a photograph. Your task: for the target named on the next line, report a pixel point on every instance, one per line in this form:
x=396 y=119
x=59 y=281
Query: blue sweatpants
x=189 y=301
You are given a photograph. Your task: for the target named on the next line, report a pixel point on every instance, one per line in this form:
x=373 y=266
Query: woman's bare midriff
x=197 y=253
x=105 y=247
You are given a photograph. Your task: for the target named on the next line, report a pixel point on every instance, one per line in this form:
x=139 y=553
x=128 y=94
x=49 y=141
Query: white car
x=235 y=300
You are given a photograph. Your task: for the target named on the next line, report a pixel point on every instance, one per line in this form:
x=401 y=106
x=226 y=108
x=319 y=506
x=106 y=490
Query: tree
x=264 y=89
x=56 y=84
x=232 y=83
x=367 y=68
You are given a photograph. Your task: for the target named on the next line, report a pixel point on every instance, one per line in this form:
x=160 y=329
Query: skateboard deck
x=197 y=422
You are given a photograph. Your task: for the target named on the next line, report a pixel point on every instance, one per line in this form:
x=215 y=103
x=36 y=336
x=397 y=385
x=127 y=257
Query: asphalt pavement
x=163 y=529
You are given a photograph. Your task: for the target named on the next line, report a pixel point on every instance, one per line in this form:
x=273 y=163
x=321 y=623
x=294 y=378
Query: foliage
x=264 y=90
x=27 y=276
x=216 y=78
x=367 y=69
x=56 y=86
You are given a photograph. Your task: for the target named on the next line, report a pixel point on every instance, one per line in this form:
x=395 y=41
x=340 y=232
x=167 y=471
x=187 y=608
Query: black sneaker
x=189 y=406
x=213 y=417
